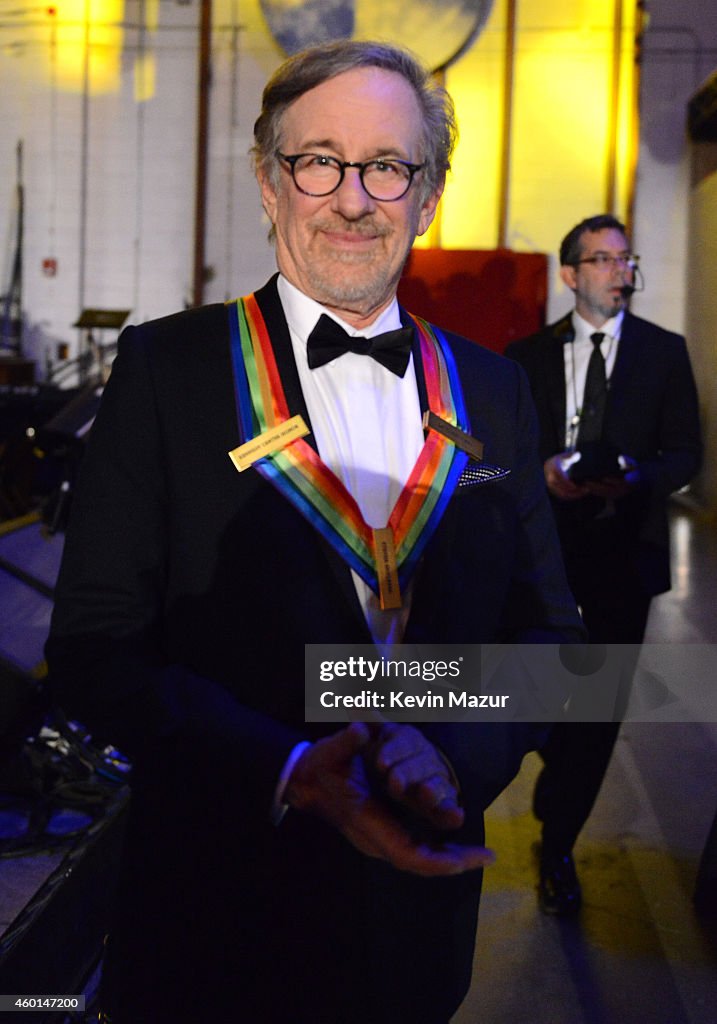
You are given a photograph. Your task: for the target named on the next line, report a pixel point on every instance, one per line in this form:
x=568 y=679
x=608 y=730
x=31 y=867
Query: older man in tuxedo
x=276 y=871
x=619 y=432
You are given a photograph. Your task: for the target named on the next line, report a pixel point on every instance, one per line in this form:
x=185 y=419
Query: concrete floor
x=638 y=952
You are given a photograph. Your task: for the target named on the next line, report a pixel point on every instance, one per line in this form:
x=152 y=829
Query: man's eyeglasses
x=602 y=261
x=317 y=175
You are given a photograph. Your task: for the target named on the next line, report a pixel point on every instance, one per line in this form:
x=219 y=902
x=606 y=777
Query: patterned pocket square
x=480 y=473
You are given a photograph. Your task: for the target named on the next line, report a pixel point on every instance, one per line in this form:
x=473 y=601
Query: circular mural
x=436 y=30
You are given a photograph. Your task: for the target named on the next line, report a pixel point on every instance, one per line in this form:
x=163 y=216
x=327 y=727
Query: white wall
x=126 y=240
x=680 y=51
x=674 y=223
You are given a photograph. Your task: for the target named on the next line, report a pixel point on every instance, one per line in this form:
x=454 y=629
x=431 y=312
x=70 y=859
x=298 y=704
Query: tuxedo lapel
x=406 y=321
x=561 y=334
x=273 y=313
x=625 y=364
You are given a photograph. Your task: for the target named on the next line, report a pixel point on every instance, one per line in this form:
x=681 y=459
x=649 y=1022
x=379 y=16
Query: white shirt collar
x=611 y=328
x=302 y=314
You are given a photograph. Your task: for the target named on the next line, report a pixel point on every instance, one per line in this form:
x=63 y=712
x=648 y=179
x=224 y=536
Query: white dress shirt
x=368 y=431
x=367 y=424
x=577 y=356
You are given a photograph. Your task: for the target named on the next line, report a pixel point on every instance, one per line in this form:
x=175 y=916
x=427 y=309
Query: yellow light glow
x=559 y=142
x=627 y=129
x=476 y=83
x=92 y=27
x=151 y=15
x=560 y=128
x=145 y=77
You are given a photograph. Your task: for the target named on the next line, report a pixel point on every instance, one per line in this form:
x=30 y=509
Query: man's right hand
x=559 y=483
x=331 y=781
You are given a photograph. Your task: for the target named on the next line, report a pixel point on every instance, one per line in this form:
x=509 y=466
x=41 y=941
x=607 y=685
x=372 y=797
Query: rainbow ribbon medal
x=385 y=558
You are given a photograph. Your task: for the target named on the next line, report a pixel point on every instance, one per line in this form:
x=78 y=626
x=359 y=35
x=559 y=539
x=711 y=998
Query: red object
x=490 y=296
x=49 y=266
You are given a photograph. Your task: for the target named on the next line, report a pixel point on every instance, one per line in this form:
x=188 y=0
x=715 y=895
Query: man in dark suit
x=619 y=432
x=276 y=871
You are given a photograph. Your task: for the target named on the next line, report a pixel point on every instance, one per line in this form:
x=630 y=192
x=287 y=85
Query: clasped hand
x=611 y=487
x=382 y=786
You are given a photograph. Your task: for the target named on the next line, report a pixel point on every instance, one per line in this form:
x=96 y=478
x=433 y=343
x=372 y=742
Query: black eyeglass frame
x=291 y=160
x=631 y=262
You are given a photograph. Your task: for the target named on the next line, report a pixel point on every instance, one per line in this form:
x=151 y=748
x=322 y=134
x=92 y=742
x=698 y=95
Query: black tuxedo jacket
x=651 y=415
x=186 y=595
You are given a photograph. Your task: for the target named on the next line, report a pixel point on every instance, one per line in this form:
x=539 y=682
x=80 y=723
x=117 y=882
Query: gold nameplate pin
x=460 y=439
x=269 y=442
x=389 y=591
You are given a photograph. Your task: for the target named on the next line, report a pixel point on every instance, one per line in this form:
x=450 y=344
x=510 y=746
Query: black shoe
x=559 y=888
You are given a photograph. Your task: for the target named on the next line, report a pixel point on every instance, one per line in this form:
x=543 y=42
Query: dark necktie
x=329 y=340
x=594 y=395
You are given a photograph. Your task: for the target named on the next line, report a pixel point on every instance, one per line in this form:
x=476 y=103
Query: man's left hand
x=614 y=487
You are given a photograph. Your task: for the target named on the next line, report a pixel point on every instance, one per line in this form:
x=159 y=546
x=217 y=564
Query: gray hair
x=317 y=64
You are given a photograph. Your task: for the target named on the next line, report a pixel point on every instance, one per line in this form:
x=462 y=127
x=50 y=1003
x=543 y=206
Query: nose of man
x=351 y=199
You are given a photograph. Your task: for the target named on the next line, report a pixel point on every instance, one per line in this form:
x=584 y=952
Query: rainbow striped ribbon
x=301 y=476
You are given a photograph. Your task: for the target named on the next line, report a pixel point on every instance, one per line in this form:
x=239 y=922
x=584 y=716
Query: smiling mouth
x=350 y=234
x=347 y=246
x=351 y=241
x=350 y=237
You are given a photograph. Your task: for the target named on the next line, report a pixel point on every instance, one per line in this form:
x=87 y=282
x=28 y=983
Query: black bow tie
x=329 y=340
